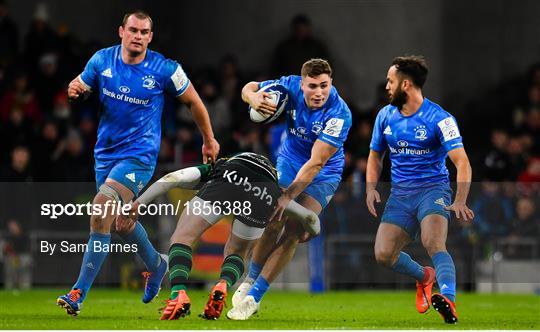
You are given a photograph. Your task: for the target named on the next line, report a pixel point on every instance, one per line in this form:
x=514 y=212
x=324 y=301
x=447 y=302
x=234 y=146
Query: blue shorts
x=407 y=210
x=322 y=190
x=130 y=172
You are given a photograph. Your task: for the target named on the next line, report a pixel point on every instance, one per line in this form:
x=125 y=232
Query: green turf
x=114 y=309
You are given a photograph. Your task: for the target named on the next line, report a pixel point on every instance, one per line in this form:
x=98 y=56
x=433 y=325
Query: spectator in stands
x=187 y=146
x=40 y=39
x=493 y=212
x=532 y=104
x=497 y=162
x=516 y=153
x=300 y=46
x=74 y=164
x=218 y=108
x=525 y=225
x=17 y=131
x=48 y=82
x=250 y=140
x=20 y=96
x=18 y=170
x=48 y=152
x=18 y=261
x=231 y=81
x=530 y=177
x=9 y=36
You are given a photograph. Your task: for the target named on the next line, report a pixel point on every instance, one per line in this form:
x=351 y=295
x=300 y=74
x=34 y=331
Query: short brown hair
x=412 y=66
x=140 y=14
x=316 y=67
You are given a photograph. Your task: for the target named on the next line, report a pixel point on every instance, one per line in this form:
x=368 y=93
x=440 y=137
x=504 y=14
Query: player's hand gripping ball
x=279 y=96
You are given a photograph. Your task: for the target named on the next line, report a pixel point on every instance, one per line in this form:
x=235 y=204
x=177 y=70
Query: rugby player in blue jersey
x=131 y=81
x=309 y=167
x=419 y=135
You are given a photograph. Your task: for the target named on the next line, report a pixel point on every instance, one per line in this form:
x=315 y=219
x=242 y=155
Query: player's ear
x=405 y=84
x=151 y=36
x=121 y=31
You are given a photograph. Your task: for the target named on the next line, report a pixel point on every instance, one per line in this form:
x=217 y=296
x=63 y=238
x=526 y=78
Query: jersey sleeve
x=448 y=133
x=90 y=75
x=286 y=81
x=176 y=80
x=336 y=127
x=378 y=141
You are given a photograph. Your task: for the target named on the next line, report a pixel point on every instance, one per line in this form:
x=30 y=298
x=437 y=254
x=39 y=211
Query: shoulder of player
x=107 y=53
x=163 y=66
x=291 y=83
x=386 y=111
x=338 y=107
x=437 y=112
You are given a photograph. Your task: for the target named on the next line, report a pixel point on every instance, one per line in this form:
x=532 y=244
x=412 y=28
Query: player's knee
x=100 y=224
x=433 y=245
x=385 y=257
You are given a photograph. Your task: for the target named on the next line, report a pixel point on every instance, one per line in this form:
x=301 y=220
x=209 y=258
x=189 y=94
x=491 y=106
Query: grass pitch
x=116 y=309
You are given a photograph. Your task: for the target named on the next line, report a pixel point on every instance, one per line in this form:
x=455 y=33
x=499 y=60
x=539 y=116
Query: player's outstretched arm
x=210 y=148
x=373 y=172
x=463 y=177
x=186 y=178
x=307 y=218
x=320 y=154
x=257 y=100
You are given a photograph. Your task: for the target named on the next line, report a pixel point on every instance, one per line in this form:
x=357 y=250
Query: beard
x=398 y=99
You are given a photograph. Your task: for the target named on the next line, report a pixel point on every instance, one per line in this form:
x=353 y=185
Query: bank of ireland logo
x=149 y=82
x=420 y=133
x=403 y=144
x=302 y=130
x=124 y=89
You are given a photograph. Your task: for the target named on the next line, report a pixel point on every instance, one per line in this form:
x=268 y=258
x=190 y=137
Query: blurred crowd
x=45 y=138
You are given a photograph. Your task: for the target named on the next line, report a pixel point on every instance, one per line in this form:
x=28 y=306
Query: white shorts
x=238 y=228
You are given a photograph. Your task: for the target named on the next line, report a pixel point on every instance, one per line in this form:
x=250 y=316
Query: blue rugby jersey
x=132 y=98
x=330 y=124
x=418 y=144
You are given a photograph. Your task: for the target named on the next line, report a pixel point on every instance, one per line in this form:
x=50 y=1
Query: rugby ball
x=279 y=96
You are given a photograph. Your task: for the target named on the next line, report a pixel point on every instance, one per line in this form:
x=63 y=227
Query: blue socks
x=145 y=249
x=254 y=270
x=406 y=265
x=446 y=274
x=259 y=288
x=92 y=260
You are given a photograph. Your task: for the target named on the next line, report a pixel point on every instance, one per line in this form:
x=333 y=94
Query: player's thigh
x=193 y=222
x=434 y=231
x=433 y=201
x=434 y=217
x=400 y=210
